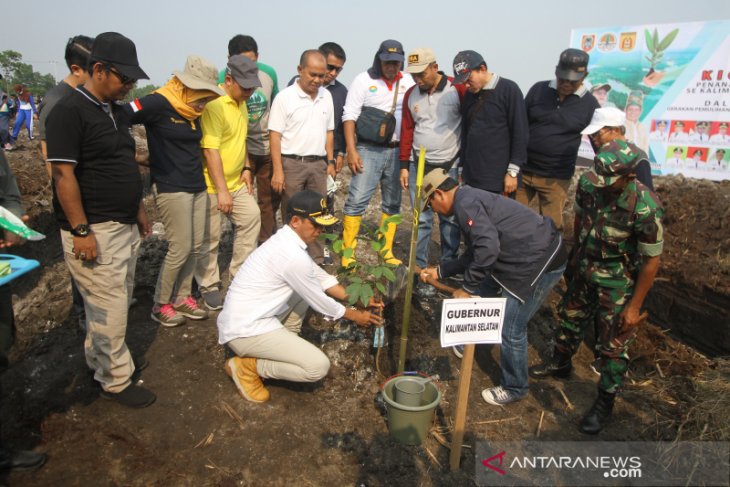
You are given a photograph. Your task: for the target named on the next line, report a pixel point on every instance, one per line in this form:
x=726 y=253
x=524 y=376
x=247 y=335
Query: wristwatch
x=332 y=161
x=513 y=172
x=81 y=230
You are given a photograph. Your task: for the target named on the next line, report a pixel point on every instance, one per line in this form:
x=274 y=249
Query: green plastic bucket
x=410 y=424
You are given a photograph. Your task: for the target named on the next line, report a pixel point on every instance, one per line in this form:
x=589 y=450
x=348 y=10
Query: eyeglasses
x=570 y=82
x=332 y=67
x=125 y=80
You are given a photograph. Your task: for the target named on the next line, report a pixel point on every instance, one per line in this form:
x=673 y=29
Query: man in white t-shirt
x=381 y=87
x=267 y=301
x=301 y=133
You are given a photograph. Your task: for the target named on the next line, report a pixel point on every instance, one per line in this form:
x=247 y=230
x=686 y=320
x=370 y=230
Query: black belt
x=304 y=158
x=389 y=145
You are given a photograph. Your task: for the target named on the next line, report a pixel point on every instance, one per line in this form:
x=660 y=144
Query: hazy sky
x=519 y=39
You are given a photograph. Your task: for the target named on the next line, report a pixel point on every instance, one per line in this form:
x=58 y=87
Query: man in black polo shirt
x=557 y=111
x=99 y=207
x=494 y=126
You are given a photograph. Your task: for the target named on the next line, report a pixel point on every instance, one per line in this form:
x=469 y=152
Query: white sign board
x=472 y=320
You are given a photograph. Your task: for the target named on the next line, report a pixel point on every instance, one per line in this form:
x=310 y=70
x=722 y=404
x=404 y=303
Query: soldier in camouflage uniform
x=619 y=238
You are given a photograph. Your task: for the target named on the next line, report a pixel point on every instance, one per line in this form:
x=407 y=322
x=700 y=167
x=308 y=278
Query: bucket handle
x=431 y=378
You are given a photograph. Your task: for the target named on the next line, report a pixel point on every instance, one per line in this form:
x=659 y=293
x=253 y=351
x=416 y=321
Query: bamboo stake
x=411 y=262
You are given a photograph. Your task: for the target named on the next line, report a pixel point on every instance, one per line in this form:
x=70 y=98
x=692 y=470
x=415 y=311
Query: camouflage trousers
x=587 y=303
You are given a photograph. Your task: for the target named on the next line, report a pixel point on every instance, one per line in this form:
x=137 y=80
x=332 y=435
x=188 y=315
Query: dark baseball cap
x=312 y=205
x=119 y=51
x=573 y=65
x=243 y=71
x=464 y=62
x=391 y=50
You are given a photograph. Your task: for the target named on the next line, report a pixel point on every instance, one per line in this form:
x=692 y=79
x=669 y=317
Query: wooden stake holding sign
x=468 y=322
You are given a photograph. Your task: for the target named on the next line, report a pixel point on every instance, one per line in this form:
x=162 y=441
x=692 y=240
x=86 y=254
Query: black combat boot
x=599 y=414
x=558 y=366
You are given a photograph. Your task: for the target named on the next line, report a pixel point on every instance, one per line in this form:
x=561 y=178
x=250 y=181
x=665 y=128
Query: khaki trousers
x=106 y=286
x=544 y=195
x=282 y=353
x=245 y=218
x=183 y=215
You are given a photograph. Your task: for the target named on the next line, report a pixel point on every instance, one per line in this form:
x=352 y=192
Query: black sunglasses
x=331 y=67
x=125 y=80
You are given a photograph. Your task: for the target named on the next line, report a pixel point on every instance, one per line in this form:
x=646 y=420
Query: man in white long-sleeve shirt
x=268 y=298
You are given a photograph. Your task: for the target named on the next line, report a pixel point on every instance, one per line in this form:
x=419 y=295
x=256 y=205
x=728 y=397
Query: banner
x=673 y=82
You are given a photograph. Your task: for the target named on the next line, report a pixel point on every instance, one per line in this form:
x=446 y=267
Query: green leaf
x=377 y=272
x=353 y=290
x=667 y=40
x=655 y=39
x=381 y=288
x=328 y=236
x=356 y=279
x=348 y=253
x=389 y=274
x=377 y=246
x=352 y=299
x=397 y=219
x=366 y=292
x=649 y=40
x=337 y=246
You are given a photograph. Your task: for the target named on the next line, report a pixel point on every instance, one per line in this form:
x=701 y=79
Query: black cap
x=312 y=205
x=573 y=65
x=464 y=62
x=119 y=51
x=391 y=50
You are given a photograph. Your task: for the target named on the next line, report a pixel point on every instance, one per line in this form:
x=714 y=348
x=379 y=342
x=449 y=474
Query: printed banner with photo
x=673 y=82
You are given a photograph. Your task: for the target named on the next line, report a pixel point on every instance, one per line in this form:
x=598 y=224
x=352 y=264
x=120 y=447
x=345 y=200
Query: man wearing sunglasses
x=98 y=204
x=267 y=301
x=557 y=111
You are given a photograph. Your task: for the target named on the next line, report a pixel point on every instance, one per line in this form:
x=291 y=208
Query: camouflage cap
x=614 y=160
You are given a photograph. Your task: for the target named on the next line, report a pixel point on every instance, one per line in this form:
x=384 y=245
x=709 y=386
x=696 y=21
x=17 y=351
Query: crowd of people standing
x=230 y=144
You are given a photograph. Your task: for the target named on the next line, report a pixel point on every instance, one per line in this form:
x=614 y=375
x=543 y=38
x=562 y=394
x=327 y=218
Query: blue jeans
x=448 y=228
x=513 y=352
x=379 y=165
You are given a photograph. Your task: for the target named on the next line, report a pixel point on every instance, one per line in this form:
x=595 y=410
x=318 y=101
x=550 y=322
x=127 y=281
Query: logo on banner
x=607 y=42
x=627 y=42
x=588 y=42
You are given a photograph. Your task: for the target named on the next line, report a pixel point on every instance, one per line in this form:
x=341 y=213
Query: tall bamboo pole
x=411 y=262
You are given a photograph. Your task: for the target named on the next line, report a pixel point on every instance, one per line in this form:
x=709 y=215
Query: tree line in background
x=15 y=71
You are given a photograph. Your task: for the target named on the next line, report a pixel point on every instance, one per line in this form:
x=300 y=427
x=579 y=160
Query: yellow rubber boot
x=389 y=236
x=351 y=225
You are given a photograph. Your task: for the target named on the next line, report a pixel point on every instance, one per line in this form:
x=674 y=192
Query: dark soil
x=200 y=431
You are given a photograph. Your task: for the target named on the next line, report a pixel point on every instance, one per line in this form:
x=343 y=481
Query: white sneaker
x=499 y=396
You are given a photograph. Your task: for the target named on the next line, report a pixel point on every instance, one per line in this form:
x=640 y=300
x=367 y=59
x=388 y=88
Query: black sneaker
x=133 y=396
x=213 y=299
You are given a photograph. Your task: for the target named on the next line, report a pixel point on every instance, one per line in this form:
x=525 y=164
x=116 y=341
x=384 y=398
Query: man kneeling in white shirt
x=268 y=298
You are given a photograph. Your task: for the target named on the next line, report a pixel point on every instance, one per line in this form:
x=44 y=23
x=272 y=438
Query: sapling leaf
x=337 y=246
x=388 y=274
x=348 y=252
x=377 y=246
x=381 y=288
x=366 y=292
x=329 y=236
x=649 y=40
x=667 y=41
x=353 y=290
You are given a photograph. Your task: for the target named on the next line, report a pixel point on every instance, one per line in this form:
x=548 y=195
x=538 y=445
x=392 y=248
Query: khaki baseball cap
x=419 y=59
x=431 y=182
